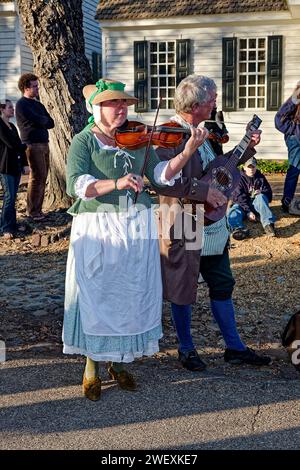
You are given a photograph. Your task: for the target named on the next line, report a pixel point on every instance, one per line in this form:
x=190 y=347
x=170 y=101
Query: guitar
x=223 y=174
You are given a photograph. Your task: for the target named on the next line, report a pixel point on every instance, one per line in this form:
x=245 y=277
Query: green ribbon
x=102 y=86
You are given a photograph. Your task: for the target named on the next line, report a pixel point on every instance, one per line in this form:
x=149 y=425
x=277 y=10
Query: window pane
x=171 y=92
x=162 y=47
x=170 y=104
x=251 y=103
x=162 y=70
x=242 y=103
x=243 y=68
x=171 y=46
x=162 y=58
x=171 y=81
x=154 y=93
x=252 y=79
x=171 y=69
x=171 y=58
x=154 y=81
x=261 y=103
x=243 y=43
x=153 y=46
x=252 y=43
x=243 y=55
x=261 y=43
x=261 y=67
x=242 y=91
x=252 y=67
x=163 y=104
x=162 y=81
x=243 y=79
x=252 y=55
x=163 y=92
x=153 y=104
x=251 y=91
x=261 y=79
x=153 y=70
x=261 y=91
x=261 y=55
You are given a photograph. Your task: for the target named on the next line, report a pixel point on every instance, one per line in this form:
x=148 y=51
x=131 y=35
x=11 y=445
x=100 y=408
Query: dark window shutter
x=141 y=75
x=274 y=73
x=229 y=56
x=183 y=59
x=96 y=66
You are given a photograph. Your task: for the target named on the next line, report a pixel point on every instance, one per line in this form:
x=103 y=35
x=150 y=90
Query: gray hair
x=191 y=90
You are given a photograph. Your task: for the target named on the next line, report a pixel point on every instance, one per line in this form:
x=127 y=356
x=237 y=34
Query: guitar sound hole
x=222 y=178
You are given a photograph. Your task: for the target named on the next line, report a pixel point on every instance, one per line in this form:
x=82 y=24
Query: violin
x=134 y=135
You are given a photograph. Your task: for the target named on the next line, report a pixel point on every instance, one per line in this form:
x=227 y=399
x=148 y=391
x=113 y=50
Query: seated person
x=251 y=199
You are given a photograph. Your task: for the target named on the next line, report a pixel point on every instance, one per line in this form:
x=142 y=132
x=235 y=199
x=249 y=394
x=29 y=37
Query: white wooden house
x=251 y=48
x=16 y=57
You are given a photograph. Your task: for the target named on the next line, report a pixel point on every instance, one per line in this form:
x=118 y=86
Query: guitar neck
x=244 y=143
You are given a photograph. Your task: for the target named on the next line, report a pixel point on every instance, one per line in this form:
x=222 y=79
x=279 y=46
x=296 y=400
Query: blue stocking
x=223 y=311
x=182 y=315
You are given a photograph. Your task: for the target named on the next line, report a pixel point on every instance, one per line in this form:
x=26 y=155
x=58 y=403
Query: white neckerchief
x=205 y=150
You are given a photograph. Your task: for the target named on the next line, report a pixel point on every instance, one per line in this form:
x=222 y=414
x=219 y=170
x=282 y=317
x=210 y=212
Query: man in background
x=34 y=121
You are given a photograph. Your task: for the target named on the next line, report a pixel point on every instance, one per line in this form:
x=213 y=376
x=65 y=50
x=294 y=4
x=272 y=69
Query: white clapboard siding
x=206 y=59
x=91 y=27
x=9 y=57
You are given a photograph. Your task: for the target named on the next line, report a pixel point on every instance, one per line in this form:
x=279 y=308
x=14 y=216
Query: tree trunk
x=54 y=32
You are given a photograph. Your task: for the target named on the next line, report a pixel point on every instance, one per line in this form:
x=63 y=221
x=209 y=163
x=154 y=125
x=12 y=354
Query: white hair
x=191 y=90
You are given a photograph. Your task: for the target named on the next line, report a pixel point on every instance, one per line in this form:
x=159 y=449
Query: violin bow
x=147 y=151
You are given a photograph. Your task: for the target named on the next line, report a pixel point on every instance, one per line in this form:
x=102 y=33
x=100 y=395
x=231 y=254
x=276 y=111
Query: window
x=159 y=66
x=252 y=71
x=162 y=73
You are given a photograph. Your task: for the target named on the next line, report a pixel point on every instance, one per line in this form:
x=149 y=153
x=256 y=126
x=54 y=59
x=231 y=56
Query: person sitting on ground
x=251 y=199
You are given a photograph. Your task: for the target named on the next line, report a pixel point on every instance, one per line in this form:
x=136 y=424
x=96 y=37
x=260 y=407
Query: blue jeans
x=290 y=184
x=236 y=214
x=10 y=185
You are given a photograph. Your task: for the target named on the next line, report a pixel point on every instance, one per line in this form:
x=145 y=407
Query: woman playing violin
x=113 y=301
x=195 y=98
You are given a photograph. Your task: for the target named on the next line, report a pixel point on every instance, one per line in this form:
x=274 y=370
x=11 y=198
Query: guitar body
x=219 y=177
x=223 y=173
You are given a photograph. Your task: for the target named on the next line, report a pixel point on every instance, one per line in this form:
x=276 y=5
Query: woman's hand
x=255 y=138
x=197 y=138
x=131 y=181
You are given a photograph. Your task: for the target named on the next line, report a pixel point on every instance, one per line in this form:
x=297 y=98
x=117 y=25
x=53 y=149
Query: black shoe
x=270 y=230
x=191 y=360
x=285 y=206
x=248 y=356
x=240 y=233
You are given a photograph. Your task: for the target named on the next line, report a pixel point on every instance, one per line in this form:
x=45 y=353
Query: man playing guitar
x=195 y=98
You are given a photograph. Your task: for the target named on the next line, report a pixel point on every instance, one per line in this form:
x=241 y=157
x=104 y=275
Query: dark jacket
x=12 y=151
x=33 y=121
x=244 y=193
